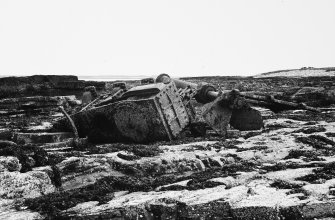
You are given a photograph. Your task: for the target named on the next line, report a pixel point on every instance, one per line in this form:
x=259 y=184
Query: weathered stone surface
x=81 y=171
x=44 y=137
x=331 y=94
x=181 y=184
x=20 y=215
x=35 y=102
x=199 y=204
x=58 y=145
x=44 y=126
x=233 y=133
x=254 y=195
x=24 y=185
x=200 y=165
x=8 y=211
x=5 y=143
x=45 y=85
x=261 y=202
x=309 y=209
x=216 y=161
x=282 y=123
x=9 y=164
x=16 y=81
x=248 y=134
x=265 y=113
x=210 y=203
x=5 y=134
x=227 y=181
x=289 y=175
x=79 y=85
x=81 y=207
x=73 y=85
x=21 y=112
x=318 y=209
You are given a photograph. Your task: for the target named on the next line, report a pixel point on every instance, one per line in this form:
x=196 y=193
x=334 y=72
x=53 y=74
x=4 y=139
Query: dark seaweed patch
x=320 y=175
x=310 y=130
x=24 y=154
x=52 y=204
x=140 y=150
x=317 y=141
x=128 y=156
x=282 y=184
x=307 y=154
x=257 y=148
x=330 y=134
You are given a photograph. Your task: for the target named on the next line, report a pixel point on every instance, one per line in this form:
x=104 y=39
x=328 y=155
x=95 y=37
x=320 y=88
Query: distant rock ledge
x=302 y=72
x=44 y=85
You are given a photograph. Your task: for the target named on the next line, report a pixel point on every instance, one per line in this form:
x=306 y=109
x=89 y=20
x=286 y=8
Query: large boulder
x=9 y=164
x=25 y=185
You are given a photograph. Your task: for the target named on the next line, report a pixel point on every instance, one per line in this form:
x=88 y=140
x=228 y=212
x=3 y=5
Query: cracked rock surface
x=284 y=171
x=272 y=175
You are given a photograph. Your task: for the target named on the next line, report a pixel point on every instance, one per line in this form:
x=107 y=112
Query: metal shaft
x=212 y=94
x=204 y=92
x=180 y=84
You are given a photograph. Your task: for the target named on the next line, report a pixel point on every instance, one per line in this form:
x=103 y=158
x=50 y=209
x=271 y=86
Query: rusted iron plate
x=162 y=116
x=246 y=119
x=217 y=116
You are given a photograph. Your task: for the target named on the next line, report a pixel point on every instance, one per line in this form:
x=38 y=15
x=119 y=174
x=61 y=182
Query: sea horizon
x=91 y=77
x=111 y=78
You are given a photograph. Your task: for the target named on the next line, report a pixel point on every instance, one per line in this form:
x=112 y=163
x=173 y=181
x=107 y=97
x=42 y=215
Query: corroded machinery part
x=231 y=108
x=147 y=81
x=205 y=92
x=246 y=119
x=233 y=100
x=221 y=108
x=169 y=115
x=146 y=113
x=217 y=116
x=180 y=84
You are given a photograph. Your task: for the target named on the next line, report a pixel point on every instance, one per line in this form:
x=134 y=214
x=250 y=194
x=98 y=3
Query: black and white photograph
x=167 y=109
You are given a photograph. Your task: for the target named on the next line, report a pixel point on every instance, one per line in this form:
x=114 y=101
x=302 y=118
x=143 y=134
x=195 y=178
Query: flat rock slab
x=39 y=138
x=20 y=215
x=255 y=201
x=32 y=184
x=35 y=102
x=262 y=193
x=43 y=127
x=81 y=171
x=187 y=204
x=261 y=175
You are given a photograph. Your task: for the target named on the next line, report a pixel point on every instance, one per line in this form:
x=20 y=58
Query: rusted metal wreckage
x=162 y=110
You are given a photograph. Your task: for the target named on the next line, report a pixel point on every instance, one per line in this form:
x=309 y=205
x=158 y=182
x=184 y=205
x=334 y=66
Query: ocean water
x=93 y=77
x=112 y=78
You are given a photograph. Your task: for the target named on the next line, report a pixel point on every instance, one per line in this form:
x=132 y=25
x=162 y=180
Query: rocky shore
x=283 y=171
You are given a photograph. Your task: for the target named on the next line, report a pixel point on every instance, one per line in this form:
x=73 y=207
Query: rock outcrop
x=48 y=85
x=14 y=185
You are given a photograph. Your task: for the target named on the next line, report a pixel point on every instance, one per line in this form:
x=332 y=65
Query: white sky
x=179 y=37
